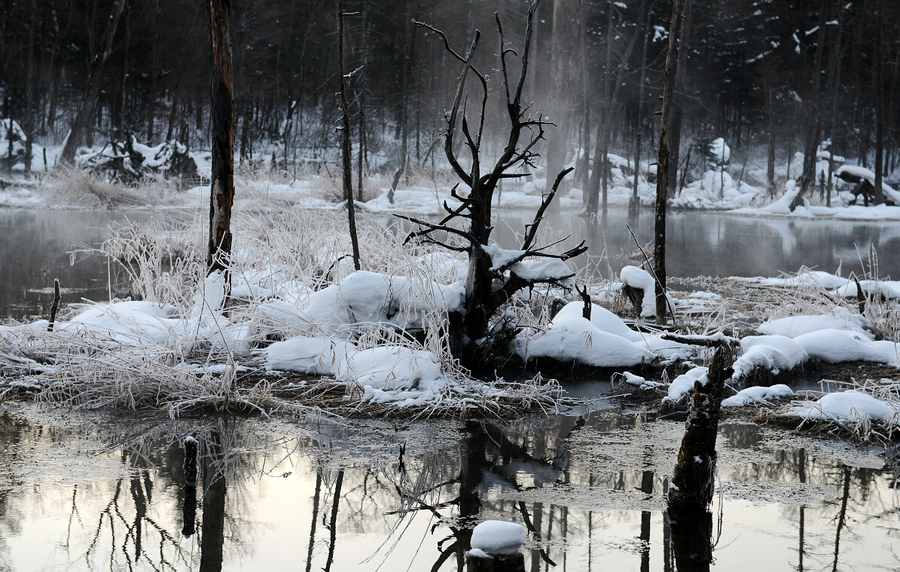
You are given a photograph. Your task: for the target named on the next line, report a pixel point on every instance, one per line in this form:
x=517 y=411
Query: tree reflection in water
x=386 y=496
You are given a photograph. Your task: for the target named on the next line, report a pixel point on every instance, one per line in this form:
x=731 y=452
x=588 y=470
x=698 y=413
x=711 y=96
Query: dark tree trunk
x=86 y=109
x=677 y=111
x=345 y=139
x=222 y=189
x=212 y=539
x=29 y=93
x=813 y=118
x=662 y=166
x=879 y=103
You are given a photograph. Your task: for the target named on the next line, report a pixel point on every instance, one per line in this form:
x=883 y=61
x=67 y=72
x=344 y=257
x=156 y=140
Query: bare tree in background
x=86 y=109
x=662 y=166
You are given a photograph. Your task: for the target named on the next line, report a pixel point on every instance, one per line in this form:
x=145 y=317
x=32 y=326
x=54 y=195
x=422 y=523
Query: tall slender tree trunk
x=662 y=167
x=86 y=109
x=29 y=93
x=835 y=73
x=634 y=206
x=560 y=89
x=879 y=103
x=677 y=112
x=813 y=118
x=222 y=189
x=345 y=139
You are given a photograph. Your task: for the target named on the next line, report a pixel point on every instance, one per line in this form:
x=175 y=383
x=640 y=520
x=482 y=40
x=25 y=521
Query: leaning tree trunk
x=222 y=189
x=662 y=165
x=86 y=109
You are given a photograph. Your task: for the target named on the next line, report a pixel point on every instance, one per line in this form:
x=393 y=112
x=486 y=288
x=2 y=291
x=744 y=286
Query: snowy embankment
x=712 y=183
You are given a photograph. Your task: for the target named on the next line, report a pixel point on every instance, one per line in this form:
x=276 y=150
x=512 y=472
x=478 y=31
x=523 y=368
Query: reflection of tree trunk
x=334 y=510
x=140 y=511
x=315 y=518
x=472 y=464
x=189 y=506
x=691 y=528
x=802 y=473
x=841 y=517
x=212 y=537
x=646 y=487
x=667 y=544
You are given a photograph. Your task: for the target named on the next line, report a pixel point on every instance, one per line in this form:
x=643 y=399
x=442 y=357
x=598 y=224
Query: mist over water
x=698 y=244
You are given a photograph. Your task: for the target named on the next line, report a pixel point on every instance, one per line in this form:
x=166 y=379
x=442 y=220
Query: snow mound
x=498 y=538
x=371 y=298
x=835 y=346
x=849 y=405
x=758 y=394
x=890 y=289
x=772 y=353
x=388 y=368
x=640 y=279
x=794 y=326
x=314 y=356
x=576 y=339
x=602 y=318
x=125 y=322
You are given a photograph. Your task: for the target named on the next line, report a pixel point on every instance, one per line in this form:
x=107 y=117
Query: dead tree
x=489 y=285
x=693 y=479
x=222 y=188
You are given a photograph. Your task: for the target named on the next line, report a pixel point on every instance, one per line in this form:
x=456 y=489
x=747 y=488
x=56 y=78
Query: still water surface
x=91 y=492
x=36 y=246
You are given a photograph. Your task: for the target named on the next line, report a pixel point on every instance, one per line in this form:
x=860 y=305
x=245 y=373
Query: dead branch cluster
x=526 y=130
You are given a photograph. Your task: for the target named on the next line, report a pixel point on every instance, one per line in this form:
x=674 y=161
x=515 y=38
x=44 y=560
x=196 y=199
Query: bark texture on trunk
x=662 y=164
x=222 y=188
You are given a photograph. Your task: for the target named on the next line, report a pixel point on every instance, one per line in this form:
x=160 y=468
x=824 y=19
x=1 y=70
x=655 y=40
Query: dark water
x=36 y=249
x=90 y=492
x=36 y=246
x=714 y=244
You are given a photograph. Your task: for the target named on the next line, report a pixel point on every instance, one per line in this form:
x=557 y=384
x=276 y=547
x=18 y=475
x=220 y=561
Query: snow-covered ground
x=377 y=332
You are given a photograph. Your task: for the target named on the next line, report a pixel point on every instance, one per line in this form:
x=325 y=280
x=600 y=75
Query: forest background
x=771 y=78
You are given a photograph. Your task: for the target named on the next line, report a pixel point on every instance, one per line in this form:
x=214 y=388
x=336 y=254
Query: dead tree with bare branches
x=490 y=283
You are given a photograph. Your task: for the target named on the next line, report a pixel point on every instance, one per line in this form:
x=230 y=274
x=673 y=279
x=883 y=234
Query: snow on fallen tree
x=366 y=298
x=128 y=161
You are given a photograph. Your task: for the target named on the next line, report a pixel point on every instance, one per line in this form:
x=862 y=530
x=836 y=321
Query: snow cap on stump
x=497 y=538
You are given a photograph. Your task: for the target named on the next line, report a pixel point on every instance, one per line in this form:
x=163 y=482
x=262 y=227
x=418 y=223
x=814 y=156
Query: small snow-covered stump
x=495 y=547
x=639 y=286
